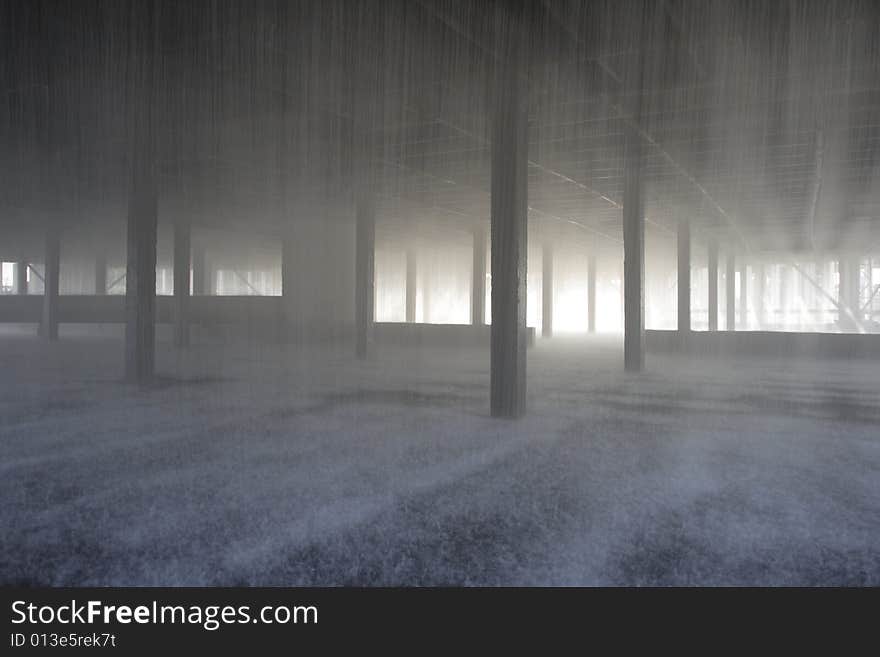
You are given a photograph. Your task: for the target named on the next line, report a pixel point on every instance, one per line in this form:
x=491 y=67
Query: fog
x=440 y=292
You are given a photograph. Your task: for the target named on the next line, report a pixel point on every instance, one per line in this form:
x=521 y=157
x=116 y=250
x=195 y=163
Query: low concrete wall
x=765 y=343
x=457 y=335
x=110 y=309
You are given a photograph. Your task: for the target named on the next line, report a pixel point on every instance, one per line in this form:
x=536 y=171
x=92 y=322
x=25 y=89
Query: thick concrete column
x=411 y=283
x=684 y=275
x=181 y=282
x=509 y=227
x=21 y=281
x=633 y=257
x=51 y=280
x=547 y=292
x=365 y=242
x=730 y=292
x=140 y=277
x=713 y=285
x=100 y=274
x=633 y=284
x=142 y=70
x=591 y=294
x=478 y=284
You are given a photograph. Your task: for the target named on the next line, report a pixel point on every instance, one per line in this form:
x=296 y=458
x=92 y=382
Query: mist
x=440 y=292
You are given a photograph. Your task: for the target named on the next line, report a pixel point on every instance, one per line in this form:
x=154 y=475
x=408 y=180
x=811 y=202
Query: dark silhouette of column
x=547 y=292
x=509 y=225
x=591 y=294
x=411 y=283
x=730 y=294
x=51 y=281
x=478 y=284
x=100 y=274
x=21 y=273
x=182 y=252
x=365 y=240
x=684 y=275
x=713 y=285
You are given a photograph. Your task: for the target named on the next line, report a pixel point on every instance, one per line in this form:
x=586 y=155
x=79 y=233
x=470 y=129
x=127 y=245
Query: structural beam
x=411 y=283
x=547 y=292
x=181 y=270
x=509 y=227
x=713 y=284
x=51 y=280
x=478 y=283
x=365 y=243
x=730 y=292
x=591 y=294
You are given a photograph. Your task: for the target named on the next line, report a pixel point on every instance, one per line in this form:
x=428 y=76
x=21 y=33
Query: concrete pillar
x=140 y=277
x=591 y=294
x=783 y=296
x=547 y=292
x=100 y=274
x=411 y=283
x=849 y=292
x=684 y=275
x=744 y=296
x=760 y=280
x=509 y=227
x=633 y=254
x=51 y=280
x=181 y=283
x=21 y=281
x=199 y=269
x=478 y=284
x=365 y=242
x=730 y=292
x=713 y=285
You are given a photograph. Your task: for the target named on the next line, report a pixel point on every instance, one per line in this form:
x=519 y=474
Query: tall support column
x=478 y=284
x=684 y=275
x=140 y=277
x=21 y=274
x=783 y=296
x=591 y=294
x=849 y=292
x=100 y=274
x=547 y=292
x=51 y=280
x=730 y=292
x=760 y=280
x=713 y=285
x=411 y=283
x=199 y=275
x=633 y=256
x=365 y=241
x=181 y=283
x=744 y=296
x=509 y=227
